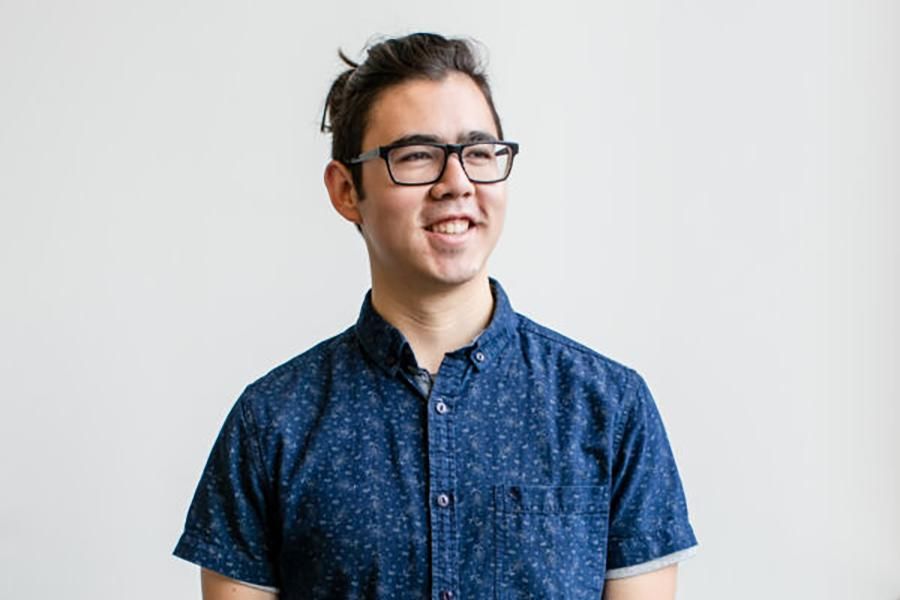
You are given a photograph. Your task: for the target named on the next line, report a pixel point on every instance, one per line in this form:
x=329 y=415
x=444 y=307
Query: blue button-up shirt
x=529 y=467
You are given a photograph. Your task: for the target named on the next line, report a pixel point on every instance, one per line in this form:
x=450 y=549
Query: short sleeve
x=228 y=524
x=648 y=521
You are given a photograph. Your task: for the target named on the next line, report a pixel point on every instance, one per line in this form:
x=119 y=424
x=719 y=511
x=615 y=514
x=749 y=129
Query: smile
x=451 y=227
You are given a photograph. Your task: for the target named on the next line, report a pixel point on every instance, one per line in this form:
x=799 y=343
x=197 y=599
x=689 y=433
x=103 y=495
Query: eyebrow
x=478 y=136
x=425 y=138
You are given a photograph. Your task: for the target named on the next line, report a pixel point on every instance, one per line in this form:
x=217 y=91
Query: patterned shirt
x=530 y=467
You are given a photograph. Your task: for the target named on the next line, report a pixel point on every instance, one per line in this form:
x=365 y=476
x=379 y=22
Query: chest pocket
x=550 y=541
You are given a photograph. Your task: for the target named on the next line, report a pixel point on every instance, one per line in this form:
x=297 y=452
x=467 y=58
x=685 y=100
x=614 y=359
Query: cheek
x=389 y=218
x=495 y=204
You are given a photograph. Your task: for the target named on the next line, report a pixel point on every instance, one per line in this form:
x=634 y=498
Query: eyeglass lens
x=483 y=163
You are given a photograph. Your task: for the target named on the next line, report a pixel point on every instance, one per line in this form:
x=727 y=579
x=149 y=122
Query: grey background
x=707 y=191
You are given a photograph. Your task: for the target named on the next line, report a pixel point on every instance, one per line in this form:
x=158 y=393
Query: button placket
x=442 y=476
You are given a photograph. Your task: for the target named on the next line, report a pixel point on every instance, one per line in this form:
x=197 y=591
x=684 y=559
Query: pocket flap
x=551 y=499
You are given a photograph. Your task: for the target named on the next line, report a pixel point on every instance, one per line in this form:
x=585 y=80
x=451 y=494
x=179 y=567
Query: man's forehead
x=452 y=109
x=462 y=138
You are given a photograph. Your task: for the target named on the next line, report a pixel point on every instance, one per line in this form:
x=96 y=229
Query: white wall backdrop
x=708 y=191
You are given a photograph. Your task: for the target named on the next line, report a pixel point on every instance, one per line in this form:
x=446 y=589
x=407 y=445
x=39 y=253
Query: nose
x=453 y=182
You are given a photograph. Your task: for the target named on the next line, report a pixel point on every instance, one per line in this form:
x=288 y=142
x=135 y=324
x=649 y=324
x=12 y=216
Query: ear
x=342 y=192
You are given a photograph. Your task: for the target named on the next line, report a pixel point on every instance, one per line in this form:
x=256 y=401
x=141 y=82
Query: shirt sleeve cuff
x=255 y=586
x=652 y=565
x=228 y=563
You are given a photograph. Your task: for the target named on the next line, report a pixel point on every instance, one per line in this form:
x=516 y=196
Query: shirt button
x=442 y=408
x=446 y=595
x=443 y=501
x=479 y=356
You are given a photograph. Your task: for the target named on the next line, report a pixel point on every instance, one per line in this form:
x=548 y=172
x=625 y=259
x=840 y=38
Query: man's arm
x=219 y=587
x=656 y=585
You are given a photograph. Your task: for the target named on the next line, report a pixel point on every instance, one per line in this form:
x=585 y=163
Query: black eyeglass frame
x=383 y=151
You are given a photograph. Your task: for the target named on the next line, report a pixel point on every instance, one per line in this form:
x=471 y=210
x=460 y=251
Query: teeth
x=454 y=227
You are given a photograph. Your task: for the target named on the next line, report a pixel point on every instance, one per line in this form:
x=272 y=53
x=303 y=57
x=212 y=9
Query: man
x=444 y=446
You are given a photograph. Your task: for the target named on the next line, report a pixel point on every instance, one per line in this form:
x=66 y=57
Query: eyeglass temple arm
x=373 y=153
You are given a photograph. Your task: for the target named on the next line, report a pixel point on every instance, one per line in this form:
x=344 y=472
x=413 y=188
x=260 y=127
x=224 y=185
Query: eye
x=481 y=152
x=414 y=154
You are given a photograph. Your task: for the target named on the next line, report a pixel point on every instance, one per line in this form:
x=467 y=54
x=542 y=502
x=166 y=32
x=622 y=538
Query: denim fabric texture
x=528 y=468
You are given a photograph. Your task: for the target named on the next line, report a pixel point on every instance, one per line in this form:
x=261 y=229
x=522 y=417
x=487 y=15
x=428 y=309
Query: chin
x=459 y=276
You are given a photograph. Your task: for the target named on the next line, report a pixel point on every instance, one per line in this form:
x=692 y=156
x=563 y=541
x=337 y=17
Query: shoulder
x=560 y=351
x=295 y=383
x=308 y=362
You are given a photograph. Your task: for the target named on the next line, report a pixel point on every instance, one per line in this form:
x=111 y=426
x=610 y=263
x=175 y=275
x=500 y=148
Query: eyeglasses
x=421 y=163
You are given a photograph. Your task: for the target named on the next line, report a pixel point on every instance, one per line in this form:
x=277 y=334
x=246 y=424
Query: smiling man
x=444 y=446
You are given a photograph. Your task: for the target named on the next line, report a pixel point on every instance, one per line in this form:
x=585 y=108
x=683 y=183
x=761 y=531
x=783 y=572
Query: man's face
x=442 y=233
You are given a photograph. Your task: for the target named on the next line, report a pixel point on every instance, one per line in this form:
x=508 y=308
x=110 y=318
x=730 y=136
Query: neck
x=438 y=320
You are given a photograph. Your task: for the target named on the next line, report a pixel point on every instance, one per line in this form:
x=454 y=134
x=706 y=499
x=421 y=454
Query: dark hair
x=392 y=62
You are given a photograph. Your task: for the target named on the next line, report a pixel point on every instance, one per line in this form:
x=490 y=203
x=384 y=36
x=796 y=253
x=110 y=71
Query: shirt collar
x=389 y=349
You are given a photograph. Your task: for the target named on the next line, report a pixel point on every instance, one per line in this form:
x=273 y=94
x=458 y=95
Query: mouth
x=451 y=226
